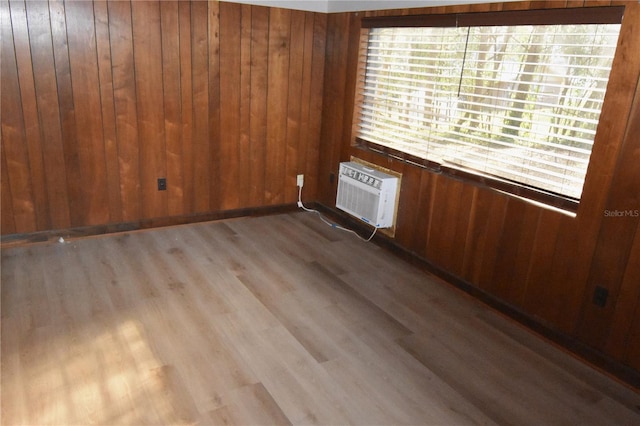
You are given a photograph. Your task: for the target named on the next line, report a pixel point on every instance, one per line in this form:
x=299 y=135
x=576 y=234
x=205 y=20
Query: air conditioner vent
x=367 y=194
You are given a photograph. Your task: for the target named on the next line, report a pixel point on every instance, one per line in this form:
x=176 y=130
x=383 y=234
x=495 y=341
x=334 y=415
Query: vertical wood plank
x=126 y=110
x=186 y=103
x=441 y=246
x=573 y=248
x=407 y=211
x=7 y=219
x=548 y=4
x=294 y=102
x=244 y=143
x=632 y=357
x=440 y=184
x=305 y=138
x=471 y=240
x=625 y=335
x=60 y=44
x=483 y=7
x=505 y=283
x=333 y=106
x=214 y=102
x=14 y=150
x=491 y=238
x=258 y=103
x=108 y=112
x=30 y=113
x=204 y=177
x=49 y=114
x=353 y=51
x=594 y=3
x=278 y=93
x=423 y=223
x=530 y=221
x=537 y=296
x=479 y=222
x=147 y=47
x=88 y=112
x=316 y=107
x=461 y=228
x=171 y=37
x=230 y=70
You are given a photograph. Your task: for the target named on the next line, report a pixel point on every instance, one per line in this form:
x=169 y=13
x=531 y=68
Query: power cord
x=331 y=224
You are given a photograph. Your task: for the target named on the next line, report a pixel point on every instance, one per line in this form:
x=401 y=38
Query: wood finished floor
x=271 y=320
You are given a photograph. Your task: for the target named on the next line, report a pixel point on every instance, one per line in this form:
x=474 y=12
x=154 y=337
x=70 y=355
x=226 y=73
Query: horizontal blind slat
x=528 y=113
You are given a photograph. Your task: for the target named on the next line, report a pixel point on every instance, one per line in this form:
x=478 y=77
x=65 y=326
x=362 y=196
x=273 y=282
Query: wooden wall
x=538 y=260
x=100 y=99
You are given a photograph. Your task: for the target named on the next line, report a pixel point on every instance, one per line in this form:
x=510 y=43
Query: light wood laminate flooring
x=270 y=320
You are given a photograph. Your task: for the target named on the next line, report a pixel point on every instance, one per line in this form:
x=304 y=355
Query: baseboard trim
x=595 y=358
x=87 y=231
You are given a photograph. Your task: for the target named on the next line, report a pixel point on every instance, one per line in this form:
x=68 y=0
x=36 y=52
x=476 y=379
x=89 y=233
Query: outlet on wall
x=600 y=295
x=162 y=184
x=300 y=181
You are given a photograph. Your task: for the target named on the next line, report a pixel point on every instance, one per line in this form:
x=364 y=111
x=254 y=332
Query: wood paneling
x=244 y=141
x=294 y=91
x=258 y=103
x=31 y=127
x=126 y=110
x=316 y=106
x=169 y=16
x=206 y=61
x=186 y=108
x=7 y=218
x=543 y=262
x=100 y=99
x=230 y=87
x=49 y=112
x=67 y=110
x=335 y=76
x=83 y=59
x=108 y=116
x=147 y=48
x=616 y=235
x=278 y=92
x=625 y=325
x=16 y=179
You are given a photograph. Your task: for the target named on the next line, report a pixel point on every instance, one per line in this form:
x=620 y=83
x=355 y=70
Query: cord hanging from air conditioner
x=331 y=224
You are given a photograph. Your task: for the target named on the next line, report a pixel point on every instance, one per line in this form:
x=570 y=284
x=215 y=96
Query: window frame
x=567 y=16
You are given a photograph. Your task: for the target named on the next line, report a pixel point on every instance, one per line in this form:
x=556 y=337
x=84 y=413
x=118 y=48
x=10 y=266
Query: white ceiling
x=330 y=6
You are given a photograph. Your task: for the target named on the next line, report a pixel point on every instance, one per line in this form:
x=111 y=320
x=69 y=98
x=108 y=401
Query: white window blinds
x=518 y=102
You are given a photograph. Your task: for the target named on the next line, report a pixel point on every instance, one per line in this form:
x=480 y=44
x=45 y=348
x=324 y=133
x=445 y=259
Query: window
x=518 y=102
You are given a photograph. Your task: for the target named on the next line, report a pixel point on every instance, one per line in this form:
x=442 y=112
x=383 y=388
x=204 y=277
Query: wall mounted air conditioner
x=367 y=194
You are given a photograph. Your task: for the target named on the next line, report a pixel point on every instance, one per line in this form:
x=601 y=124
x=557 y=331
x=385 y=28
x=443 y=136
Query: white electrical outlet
x=300 y=181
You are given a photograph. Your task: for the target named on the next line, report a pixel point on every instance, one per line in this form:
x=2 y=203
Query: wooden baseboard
x=86 y=231
x=595 y=358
